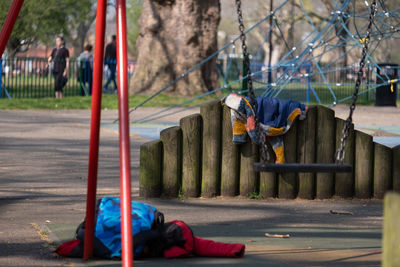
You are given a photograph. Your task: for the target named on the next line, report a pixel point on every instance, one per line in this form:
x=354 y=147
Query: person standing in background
x=60 y=57
x=85 y=63
x=110 y=60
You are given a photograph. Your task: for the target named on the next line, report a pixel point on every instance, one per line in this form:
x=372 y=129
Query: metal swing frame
x=123 y=109
x=301 y=167
x=339 y=166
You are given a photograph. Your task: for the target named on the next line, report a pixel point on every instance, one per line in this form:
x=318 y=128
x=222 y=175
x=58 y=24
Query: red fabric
x=251 y=123
x=189 y=243
x=176 y=252
x=65 y=248
x=204 y=247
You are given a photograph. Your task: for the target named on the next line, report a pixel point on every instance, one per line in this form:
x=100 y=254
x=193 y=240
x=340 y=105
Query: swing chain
x=246 y=60
x=340 y=153
x=264 y=148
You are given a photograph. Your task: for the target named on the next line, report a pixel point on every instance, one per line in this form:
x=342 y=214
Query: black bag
x=78 y=74
x=64 y=81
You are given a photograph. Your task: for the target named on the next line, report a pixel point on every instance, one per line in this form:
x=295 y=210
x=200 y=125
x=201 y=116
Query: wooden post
x=364 y=165
x=391 y=230
x=396 y=168
x=230 y=171
x=306 y=152
x=287 y=187
x=248 y=177
x=325 y=150
x=172 y=161
x=191 y=154
x=382 y=170
x=268 y=184
x=150 y=169
x=344 y=182
x=211 y=163
x=268 y=180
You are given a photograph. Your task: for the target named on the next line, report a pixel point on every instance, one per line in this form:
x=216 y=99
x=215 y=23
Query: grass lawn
x=108 y=101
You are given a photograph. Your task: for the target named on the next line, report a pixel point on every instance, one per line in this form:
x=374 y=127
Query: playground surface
x=43 y=170
x=383 y=123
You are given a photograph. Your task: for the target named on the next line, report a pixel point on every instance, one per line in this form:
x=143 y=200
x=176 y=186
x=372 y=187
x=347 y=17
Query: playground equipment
x=283 y=168
x=198 y=135
x=198 y=158
x=312 y=48
x=126 y=224
x=344 y=23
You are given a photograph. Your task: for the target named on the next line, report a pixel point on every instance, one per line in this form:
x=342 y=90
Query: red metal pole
x=9 y=24
x=95 y=128
x=124 y=144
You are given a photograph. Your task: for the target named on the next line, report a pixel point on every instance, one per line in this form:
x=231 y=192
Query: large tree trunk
x=175 y=35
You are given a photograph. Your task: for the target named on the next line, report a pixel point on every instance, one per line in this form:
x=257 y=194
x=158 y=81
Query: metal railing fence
x=33 y=77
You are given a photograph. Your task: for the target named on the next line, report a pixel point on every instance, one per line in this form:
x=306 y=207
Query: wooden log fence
x=198 y=158
x=306 y=141
x=230 y=156
x=192 y=128
x=287 y=187
x=344 y=182
x=211 y=159
x=171 y=139
x=391 y=231
x=364 y=167
x=325 y=150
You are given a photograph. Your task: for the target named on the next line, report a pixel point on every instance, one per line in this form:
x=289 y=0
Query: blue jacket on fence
x=275 y=118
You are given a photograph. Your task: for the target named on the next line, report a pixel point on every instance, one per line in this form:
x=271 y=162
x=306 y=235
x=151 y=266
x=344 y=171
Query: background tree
x=81 y=15
x=175 y=35
x=134 y=10
x=38 y=20
x=41 y=20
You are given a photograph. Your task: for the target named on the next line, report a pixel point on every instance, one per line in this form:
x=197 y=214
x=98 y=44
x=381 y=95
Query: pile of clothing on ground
x=152 y=237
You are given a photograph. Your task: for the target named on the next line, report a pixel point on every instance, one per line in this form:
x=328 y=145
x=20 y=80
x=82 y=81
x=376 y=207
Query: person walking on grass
x=85 y=63
x=110 y=60
x=60 y=58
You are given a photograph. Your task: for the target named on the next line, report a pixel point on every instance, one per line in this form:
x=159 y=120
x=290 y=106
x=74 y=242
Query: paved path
x=43 y=170
x=381 y=122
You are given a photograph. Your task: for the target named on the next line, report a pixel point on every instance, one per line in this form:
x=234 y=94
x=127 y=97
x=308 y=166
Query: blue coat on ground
x=108 y=225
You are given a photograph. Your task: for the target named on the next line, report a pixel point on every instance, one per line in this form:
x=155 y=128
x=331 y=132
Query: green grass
x=108 y=102
x=43 y=101
x=255 y=195
x=111 y=102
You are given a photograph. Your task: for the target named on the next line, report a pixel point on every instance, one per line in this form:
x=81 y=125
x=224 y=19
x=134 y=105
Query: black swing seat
x=302 y=167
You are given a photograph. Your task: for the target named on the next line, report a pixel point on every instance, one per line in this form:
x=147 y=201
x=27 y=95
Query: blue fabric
x=275 y=117
x=275 y=112
x=108 y=225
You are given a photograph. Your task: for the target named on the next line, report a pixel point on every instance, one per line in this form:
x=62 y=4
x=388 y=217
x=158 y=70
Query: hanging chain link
x=264 y=150
x=340 y=153
x=246 y=59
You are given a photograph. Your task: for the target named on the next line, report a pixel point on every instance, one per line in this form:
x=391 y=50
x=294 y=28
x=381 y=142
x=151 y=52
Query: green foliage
x=42 y=20
x=37 y=20
x=180 y=193
x=81 y=15
x=255 y=195
x=134 y=10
